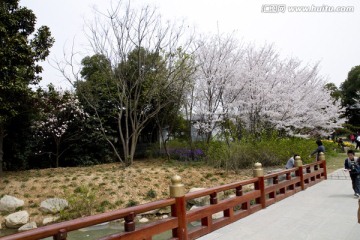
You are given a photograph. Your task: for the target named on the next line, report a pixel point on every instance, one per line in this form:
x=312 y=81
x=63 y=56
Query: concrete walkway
x=325 y=211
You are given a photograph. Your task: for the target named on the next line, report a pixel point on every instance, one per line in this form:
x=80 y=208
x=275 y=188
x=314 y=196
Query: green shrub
x=268 y=150
x=82 y=202
x=19 y=208
x=103 y=205
x=119 y=203
x=132 y=203
x=151 y=194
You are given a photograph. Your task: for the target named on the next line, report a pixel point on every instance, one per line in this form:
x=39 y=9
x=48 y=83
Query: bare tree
x=148 y=69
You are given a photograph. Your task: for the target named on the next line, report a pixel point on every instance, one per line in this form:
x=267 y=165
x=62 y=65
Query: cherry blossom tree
x=58 y=110
x=284 y=93
x=216 y=58
x=256 y=87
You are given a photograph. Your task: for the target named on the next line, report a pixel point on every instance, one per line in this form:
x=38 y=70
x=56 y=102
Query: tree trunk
x=2 y=135
x=163 y=140
x=134 y=140
x=57 y=155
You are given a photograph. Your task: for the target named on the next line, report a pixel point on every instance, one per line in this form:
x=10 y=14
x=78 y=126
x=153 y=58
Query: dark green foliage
x=132 y=203
x=271 y=151
x=125 y=100
x=335 y=93
x=19 y=55
x=351 y=96
x=82 y=202
x=20 y=51
x=151 y=194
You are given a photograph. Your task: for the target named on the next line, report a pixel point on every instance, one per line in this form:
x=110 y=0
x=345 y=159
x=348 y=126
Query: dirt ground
x=114 y=187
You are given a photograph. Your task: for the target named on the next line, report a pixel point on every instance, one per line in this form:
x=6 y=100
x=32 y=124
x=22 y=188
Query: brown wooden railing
x=248 y=197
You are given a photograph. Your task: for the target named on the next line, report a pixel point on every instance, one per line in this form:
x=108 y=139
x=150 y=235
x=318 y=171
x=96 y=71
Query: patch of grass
x=105 y=203
x=208 y=175
x=34 y=205
x=119 y=202
x=213 y=179
x=151 y=194
x=82 y=202
x=335 y=162
x=25 y=179
x=132 y=203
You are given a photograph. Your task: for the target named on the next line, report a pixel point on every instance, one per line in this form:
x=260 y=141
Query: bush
x=151 y=194
x=270 y=151
x=82 y=202
x=132 y=203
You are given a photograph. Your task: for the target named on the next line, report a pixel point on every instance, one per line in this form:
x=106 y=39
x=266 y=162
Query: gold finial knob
x=175 y=180
x=321 y=156
x=177 y=189
x=298 y=161
x=258 y=171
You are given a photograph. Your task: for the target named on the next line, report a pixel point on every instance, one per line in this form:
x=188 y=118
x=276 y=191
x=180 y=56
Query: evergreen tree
x=20 y=51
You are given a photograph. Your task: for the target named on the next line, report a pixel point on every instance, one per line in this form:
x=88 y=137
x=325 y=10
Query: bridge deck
x=324 y=211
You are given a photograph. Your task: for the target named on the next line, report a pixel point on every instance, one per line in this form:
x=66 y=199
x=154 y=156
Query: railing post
x=61 y=235
x=259 y=172
x=300 y=173
x=177 y=191
x=129 y=224
x=238 y=191
x=323 y=163
x=213 y=198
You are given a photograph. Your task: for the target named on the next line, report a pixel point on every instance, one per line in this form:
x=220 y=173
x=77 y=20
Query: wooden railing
x=248 y=197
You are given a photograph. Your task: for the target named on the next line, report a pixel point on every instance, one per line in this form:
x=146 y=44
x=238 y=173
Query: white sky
x=329 y=37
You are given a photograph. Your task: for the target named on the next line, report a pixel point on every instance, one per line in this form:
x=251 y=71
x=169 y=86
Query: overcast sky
x=333 y=38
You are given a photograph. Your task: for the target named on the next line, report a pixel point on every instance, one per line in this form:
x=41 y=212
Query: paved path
x=325 y=211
